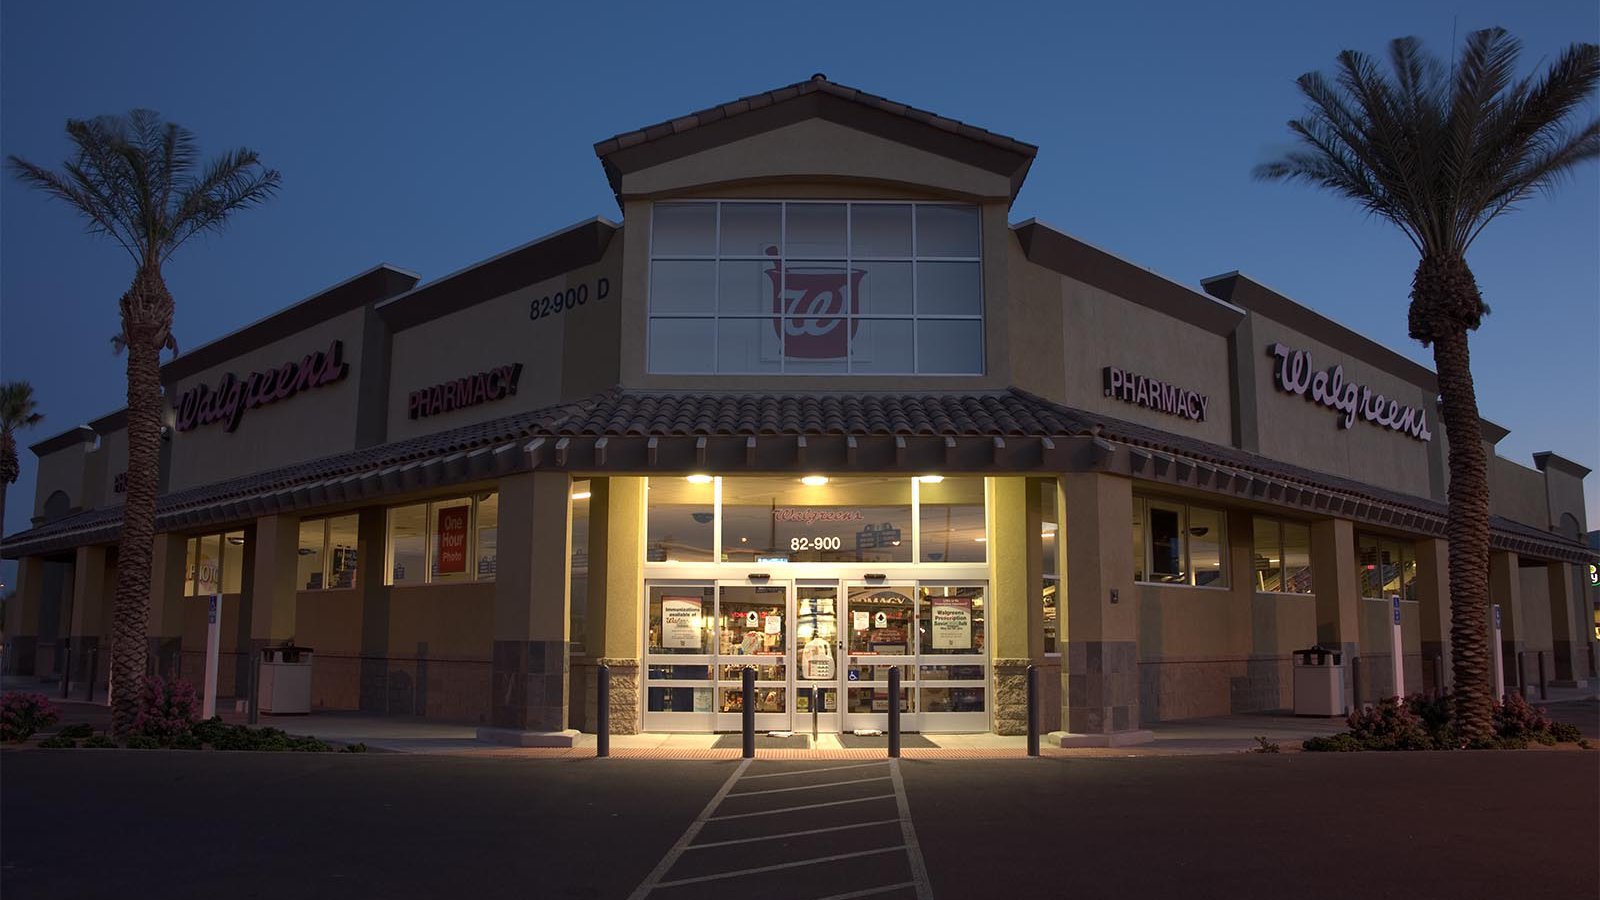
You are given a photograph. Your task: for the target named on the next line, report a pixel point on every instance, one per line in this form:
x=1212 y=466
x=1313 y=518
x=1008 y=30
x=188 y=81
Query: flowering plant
x=22 y=714
x=167 y=710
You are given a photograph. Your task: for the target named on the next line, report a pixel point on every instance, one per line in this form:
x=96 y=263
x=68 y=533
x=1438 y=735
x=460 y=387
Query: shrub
x=1264 y=746
x=1389 y=725
x=22 y=714
x=1516 y=718
x=166 y=710
x=141 y=742
x=357 y=747
x=101 y=742
x=77 y=731
x=1565 y=733
x=1343 y=742
x=57 y=742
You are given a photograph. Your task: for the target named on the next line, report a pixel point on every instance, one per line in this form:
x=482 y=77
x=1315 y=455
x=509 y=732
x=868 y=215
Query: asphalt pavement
x=113 y=823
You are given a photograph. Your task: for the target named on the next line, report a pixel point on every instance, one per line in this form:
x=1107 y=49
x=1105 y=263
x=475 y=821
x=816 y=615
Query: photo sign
x=952 y=623
x=680 y=623
x=453 y=540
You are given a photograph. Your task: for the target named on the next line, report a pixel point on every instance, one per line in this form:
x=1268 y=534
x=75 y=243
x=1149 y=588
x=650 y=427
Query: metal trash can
x=1318 y=682
x=285 y=687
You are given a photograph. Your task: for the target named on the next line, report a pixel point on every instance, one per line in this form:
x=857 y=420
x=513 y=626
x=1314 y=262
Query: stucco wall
x=101 y=468
x=62 y=470
x=563 y=356
x=311 y=424
x=1517 y=492
x=1295 y=429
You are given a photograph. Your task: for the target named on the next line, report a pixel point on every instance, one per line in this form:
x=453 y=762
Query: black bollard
x=1033 y=711
x=254 y=694
x=66 y=669
x=602 y=704
x=1544 y=689
x=93 y=663
x=894 y=713
x=749 y=711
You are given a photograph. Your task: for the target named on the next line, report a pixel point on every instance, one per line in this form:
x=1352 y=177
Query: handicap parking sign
x=854 y=675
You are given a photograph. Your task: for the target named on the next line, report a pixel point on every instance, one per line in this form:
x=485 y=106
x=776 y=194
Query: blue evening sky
x=432 y=136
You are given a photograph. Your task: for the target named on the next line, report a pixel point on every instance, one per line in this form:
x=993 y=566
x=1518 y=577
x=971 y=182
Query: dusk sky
x=432 y=136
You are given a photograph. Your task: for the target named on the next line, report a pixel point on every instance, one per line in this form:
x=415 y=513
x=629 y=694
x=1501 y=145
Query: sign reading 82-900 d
x=571 y=298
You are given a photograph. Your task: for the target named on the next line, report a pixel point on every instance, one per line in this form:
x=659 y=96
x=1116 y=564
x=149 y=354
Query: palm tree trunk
x=1445 y=305
x=3 y=487
x=147 y=321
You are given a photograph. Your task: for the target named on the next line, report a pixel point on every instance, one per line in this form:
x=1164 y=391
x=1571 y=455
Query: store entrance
x=822 y=650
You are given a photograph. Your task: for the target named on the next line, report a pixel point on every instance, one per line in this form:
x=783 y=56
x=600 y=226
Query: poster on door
x=681 y=623
x=452 y=540
x=952 y=623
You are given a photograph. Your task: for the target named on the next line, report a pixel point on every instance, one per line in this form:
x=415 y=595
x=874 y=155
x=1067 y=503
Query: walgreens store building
x=818 y=407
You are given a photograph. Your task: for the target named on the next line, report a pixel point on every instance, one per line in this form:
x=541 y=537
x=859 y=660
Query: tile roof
x=620 y=413
x=815 y=84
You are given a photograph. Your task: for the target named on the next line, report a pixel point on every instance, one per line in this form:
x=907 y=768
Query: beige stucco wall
x=563 y=356
x=62 y=470
x=815 y=148
x=309 y=425
x=1518 y=492
x=1097 y=329
x=101 y=468
x=1295 y=429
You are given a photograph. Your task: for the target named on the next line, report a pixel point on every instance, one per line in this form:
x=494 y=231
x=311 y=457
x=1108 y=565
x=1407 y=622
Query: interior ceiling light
x=814 y=480
x=930 y=479
x=698 y=479
x=582 y=495
x=981 y=539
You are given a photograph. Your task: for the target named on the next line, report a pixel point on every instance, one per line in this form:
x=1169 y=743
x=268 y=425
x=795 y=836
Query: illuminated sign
x=1152 y=394
x=226 y=403
x=1294 y=376
x=1594 y=575
x=460 y=393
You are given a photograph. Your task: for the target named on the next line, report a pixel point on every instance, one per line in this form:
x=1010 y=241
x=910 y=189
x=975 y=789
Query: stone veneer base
x=1109 y=739
x=512 y=737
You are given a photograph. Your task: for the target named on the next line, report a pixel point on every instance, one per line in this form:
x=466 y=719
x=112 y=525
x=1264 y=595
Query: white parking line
x=790 y=834
x=671 y=859
x=919 y=868
x=868 y=892
x=822 y=769
x=807 y=787
x=736 y=873
x=769 y=812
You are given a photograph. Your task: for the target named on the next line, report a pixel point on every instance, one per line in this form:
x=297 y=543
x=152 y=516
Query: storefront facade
x=815 y=407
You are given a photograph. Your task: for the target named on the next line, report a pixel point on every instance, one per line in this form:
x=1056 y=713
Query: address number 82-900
x=571 y=298
x=820 y=542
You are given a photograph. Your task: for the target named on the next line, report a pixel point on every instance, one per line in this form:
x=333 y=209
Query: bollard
x=894 y=713
x=1033 y=711
x=255 y=688
x=1522 y=689
x=88 y=680
x=66 y=669
x=602 y=704
x=1438 y=673
x=1544 y=690
x=749 y=712
x=1355 y=683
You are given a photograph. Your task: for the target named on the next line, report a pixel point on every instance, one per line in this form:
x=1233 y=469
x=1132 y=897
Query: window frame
x=430 y=538
x=1283 y=556
x=1406 y=552
x=1142 y=504
x=717 y=257
x=327 y=555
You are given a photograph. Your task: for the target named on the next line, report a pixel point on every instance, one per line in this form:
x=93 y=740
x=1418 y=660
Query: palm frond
x=235 y=180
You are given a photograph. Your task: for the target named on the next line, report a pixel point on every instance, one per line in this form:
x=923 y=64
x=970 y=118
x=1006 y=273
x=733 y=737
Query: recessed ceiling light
x=698 y=479
x=582 y=495
x=981 y=540
x=930 y=479
x=814 y=480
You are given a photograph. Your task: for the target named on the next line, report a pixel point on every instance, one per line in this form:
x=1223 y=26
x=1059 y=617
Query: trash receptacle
x=285 y=687
x=1318 y=682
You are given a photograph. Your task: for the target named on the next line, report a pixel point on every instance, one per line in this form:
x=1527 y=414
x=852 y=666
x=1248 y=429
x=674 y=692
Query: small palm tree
x=18 y=410
x=1440 y=154
x=138 y=180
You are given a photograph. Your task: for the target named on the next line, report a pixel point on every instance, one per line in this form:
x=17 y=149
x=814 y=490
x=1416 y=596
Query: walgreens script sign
x=813 y=304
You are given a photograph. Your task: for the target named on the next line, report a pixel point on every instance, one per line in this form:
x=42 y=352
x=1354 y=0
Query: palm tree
x=1440 y=154
x=138 y=180
x=17 y=410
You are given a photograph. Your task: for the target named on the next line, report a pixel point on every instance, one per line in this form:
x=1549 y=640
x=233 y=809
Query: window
x=1049 y=541
x=1179 y=543
x=444 y=542
x=951 y=514
x=1282 y=552
x=680 y=525
x=213 y=564
x=817 y=519
x=1385 y=567
x=822 y=288
x=327 y=555
x=578 y=583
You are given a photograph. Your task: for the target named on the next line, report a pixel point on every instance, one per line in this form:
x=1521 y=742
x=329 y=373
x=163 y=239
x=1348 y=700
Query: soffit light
x=698 y=479
x=814 y=480
x=582 y=495
x=930 y=479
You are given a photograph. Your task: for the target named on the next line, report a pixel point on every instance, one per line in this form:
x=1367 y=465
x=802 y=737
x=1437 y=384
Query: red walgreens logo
x=813 y=303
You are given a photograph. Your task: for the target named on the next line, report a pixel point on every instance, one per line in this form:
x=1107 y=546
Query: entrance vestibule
x=814 y=642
